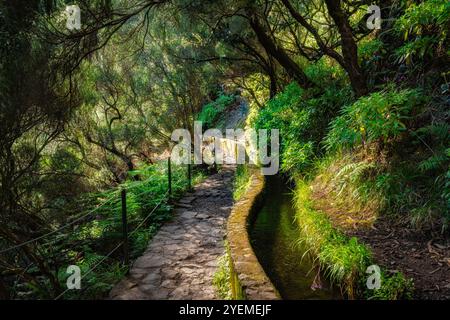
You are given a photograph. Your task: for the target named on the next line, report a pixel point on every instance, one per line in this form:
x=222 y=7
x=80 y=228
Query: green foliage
x=368 y=49
x=278 y=110
x=412 y=185
x=446 y=198
x=359 y=184
x=303 y=120
x=419 y=48
x=285 y=113
x=354 y=182
x=100 y=235
x=439 y=135
x=94 y=284
x=425 y=27
x=343 y=260
x=406 y=191
x=210 y=112
x=378 y=117
x=419 y=17
x=394 y=287
x=325 y=74
x=297 y=157
x=222 y=277
x=77 y=126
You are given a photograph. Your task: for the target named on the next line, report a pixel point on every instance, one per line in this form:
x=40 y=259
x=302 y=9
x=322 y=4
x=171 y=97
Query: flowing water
x=274 y=235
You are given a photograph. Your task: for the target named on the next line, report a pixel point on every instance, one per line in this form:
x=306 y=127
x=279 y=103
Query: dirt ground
x=423 y=256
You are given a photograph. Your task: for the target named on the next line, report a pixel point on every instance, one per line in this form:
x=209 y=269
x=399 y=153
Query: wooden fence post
x=215 y=152
x=189 y=176
x=125 y=227
x=169 y=174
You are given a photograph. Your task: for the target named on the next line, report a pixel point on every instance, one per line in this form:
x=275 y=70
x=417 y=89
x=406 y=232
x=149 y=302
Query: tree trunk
x=349 y=48
x=4 y=293
x=278 y=53
x=302 y=21
x=38 y=261
x=273 y=79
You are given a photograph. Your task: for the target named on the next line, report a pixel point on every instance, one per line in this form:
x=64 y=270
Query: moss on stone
x=247 y=276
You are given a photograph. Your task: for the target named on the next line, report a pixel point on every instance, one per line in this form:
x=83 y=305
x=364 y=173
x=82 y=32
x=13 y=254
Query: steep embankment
x=395 y=246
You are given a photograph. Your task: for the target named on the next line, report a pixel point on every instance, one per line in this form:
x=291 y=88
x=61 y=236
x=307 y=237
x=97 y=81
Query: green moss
x=222 y=276
x=237 y=292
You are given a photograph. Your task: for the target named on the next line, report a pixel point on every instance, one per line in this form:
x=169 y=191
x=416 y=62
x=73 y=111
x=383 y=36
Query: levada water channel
x=275 y=239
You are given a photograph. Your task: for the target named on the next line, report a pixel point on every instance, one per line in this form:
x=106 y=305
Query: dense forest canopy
x=86 y=111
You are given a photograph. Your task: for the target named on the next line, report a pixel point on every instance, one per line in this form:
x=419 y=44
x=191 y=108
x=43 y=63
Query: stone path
x=182 y=258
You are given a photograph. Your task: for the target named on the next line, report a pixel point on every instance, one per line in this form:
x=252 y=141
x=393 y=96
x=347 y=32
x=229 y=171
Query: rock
x=172 y=247
x=202 y=216
x=138 y=273
x=187 y=271
x=187 y=200
x=180 y=293
x=170 y=284
x=153 y=278
x=183 y=205
x=132 y=294
x=160 y=294
x=188 y=214
x=148 y=262
x=197 y=281
x=122 y=286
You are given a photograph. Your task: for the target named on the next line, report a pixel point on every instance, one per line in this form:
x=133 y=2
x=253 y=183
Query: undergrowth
x=343 y=260
x=211 y=112
x=384 y=153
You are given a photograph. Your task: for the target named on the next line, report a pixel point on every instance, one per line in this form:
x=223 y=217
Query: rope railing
x=119 y=245
x=124 y=242
x=57 y=230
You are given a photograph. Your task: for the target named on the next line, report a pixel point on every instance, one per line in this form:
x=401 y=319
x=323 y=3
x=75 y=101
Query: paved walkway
x=182 y=258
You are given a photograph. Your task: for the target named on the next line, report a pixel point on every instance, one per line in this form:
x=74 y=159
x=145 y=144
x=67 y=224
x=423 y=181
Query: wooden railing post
x=125 y=227
x=215 y=153
x=169 y=174
x=189 y=176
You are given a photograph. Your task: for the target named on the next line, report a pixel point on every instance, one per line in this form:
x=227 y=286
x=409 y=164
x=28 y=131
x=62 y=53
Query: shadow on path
x=182 y=257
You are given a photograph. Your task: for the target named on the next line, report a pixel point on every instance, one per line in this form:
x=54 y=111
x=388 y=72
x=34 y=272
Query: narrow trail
x=182 y=257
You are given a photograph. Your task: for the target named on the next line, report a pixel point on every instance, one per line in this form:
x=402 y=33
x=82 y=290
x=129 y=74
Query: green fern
x=434 y=162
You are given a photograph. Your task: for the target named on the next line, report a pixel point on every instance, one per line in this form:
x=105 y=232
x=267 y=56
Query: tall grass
x=356 y=182
x=342 y=259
